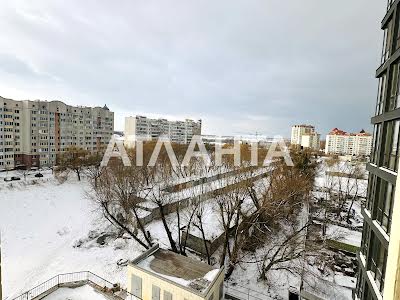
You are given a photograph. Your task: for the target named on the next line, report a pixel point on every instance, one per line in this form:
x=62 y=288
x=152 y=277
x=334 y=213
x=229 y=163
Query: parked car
x=12 y=178
x=38 y=175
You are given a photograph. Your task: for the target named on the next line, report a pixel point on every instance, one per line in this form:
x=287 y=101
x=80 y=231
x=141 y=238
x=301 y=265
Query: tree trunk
x=224 y=249
x=169 y=234
x=229 y=271
x=204 y=241
x=179 y=230
x=109 y=215
x=141 y=227
x=187 y=230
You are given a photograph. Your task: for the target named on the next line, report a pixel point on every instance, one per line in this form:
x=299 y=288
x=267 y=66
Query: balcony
x=83 y=284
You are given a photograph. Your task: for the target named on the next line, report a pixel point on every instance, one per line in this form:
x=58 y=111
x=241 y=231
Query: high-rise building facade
x=379 y=257
x=177 y=131
x=343 y=143
x=305 y=136
x=32 y=133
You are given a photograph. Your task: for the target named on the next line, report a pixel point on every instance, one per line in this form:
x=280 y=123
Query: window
x=384 y=205
x=155 y=294
x=373 y=184
x=378 y=262
x=366 y=235
x=381 y=95
x=394 y=88
x=387 y=41
x=391 y=151
x=167 y=295
x=211 y=297
x=360 y=285
x=398 y=32
x=136 y=286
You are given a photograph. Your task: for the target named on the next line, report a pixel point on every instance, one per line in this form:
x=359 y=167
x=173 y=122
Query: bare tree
x=116 y=193
x=343 y=187
x=93 y=166
x=73 y=159
x=280 y=212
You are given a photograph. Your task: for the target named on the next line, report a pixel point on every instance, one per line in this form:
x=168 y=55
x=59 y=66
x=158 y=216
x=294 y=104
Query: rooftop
x=336 y=131
x=181 y=270
x=79 y=293
x=77 y=286
x=303 y=125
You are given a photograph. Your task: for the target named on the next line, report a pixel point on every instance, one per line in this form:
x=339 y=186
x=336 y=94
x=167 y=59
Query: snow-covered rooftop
x=182 y=270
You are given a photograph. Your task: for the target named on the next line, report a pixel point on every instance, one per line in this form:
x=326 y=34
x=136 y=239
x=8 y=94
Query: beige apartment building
x=32 y=133
x=305 y=136
x=160 y=274
x=343 y=143
x=177 y=131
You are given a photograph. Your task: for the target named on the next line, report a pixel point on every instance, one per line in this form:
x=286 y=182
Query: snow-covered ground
x=50 y=228
x=345 y=235
x=41 y=223
x=81 y=293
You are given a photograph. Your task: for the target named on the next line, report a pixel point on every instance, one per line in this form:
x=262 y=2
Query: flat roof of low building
x=181 y=270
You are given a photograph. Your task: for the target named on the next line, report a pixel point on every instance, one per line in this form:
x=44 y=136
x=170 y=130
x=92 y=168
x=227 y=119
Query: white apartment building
x=177 y=131
x=305 y=136
x=311 y=141
x=32 y=133
x=342 y=143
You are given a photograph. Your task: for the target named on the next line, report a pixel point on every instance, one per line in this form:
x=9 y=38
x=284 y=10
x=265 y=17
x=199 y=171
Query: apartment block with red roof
x=343 y=143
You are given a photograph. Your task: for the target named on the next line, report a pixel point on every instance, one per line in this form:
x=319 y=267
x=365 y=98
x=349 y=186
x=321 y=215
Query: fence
x=61 y=280
x=185 y=202
x=238 y=292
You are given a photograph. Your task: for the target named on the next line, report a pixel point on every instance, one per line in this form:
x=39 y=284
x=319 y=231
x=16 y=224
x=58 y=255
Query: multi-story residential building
x=32 y=133
x=379 y=257
x=342 y=143
x=177 y=131
x=305 y=136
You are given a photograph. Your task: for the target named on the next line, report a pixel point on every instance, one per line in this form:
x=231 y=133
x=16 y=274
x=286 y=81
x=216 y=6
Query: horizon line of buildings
x=33 y=132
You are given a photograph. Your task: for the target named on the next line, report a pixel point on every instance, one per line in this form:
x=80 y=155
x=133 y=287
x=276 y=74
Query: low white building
x=305 y=136
x=343 y=143
x=161 y=274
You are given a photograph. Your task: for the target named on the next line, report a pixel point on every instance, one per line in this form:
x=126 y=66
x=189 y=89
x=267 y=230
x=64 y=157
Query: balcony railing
x=61 y=280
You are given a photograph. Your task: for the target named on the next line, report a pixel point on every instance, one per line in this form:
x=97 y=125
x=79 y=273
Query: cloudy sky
x=242 y=66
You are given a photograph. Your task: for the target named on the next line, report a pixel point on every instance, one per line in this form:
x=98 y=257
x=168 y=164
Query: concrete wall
x=171 y=207
x=197 y=244
x=192 y=183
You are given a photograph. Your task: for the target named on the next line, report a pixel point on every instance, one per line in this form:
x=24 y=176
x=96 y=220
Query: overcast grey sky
x=241 y=66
